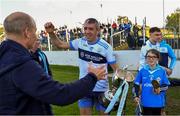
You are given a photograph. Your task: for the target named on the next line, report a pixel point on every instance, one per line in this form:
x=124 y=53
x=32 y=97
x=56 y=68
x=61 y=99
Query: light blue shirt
x=99 y=52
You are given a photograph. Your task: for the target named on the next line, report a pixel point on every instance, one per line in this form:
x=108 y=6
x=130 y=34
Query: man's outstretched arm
x=49 y=27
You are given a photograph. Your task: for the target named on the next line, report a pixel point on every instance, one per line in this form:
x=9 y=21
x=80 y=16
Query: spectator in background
x=136 y=33
x=71 y=33
x=131 y=41
x=25 y=88
x=121 y=26
x=43 y=37
x=105 y=34
x=109 y=29
x=114 y=26
x=127 y=28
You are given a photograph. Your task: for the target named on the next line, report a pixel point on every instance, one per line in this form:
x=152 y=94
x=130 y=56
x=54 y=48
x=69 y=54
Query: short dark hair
x=154 y=29
x=92 y=21
x=154 y=51
x=18 y=21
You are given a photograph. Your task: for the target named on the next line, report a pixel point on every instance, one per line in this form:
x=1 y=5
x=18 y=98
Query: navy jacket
x=26 y=89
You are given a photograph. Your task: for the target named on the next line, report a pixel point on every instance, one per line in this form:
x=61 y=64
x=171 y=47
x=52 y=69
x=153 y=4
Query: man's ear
x=26 y=33
x=98 y=29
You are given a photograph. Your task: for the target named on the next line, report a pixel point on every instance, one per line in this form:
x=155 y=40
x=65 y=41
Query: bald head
x=17 y=22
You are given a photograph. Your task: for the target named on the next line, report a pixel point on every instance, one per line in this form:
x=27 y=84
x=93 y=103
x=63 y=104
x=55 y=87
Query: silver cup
x=117 y=79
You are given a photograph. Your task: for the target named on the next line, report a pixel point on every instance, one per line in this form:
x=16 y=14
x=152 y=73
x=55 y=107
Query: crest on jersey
x=82 y=54
x=91 y=48
x=85 y=45
x=151 y=77
x=99 y=50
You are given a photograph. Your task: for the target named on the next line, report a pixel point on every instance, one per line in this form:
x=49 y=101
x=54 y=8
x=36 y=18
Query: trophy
x=111 y=98
x=156 y=86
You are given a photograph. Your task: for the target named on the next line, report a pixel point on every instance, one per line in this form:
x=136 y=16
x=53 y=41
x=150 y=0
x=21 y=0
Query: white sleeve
x=142 y=57
x=110 y=56
x=74 y=44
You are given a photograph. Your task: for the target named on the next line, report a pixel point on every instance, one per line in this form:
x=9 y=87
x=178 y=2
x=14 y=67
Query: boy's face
x=151 y=59
x=161 y=38
x=156 y=36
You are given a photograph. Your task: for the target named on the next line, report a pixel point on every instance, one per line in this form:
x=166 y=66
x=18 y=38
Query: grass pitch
x=65 y=74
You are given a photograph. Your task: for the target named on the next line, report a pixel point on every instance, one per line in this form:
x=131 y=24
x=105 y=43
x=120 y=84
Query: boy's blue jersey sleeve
x=74 y=44
x=172 y=57
x=165 y=79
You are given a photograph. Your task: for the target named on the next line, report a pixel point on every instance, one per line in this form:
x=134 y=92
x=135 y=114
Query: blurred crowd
x=132 y=34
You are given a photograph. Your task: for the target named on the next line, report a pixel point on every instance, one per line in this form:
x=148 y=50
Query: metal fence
x=118 y=39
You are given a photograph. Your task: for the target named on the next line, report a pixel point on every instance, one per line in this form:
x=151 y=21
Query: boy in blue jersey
x=152 y=99
x=93 y=49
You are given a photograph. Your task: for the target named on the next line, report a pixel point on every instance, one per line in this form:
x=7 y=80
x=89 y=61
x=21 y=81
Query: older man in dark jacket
x=24 y=86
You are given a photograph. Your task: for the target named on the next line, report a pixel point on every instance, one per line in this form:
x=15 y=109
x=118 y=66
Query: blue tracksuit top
x=166 y=51
x=26 y=89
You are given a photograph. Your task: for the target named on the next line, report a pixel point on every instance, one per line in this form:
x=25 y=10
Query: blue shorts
x=92 y=100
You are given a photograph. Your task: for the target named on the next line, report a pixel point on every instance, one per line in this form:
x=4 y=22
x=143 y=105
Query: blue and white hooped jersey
x=99 y=52
x=145 y=77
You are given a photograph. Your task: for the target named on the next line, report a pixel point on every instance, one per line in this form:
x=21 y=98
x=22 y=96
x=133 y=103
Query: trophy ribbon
x=123 y=99
x=116 y=98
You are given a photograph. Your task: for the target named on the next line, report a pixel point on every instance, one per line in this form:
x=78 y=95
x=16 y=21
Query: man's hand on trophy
x=49 y=27
x=100 y=72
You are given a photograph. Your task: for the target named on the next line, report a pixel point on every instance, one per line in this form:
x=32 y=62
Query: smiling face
x=152 y=59
x=91 y=29
x=156 y=36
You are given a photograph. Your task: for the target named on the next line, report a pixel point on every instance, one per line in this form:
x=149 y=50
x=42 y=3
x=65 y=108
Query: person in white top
x=152 y=43
x=94 y=50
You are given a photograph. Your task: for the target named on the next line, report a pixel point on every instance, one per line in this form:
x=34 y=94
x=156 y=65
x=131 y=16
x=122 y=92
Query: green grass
x=65 y=74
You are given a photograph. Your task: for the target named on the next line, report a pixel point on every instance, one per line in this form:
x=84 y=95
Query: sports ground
x=65 y=74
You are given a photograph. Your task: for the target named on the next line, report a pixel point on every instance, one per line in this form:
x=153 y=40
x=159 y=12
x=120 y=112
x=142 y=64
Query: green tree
x=173 y=20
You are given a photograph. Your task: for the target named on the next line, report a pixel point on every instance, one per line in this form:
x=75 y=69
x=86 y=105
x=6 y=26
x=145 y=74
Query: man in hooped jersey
x=92 y=49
